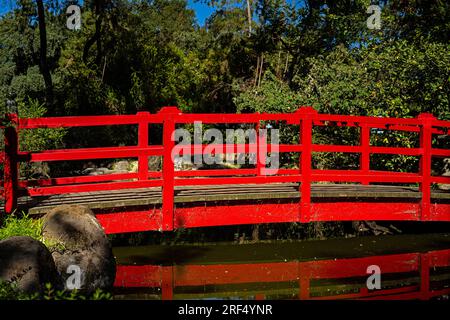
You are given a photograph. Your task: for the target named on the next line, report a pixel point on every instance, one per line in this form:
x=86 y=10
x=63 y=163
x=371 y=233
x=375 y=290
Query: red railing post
x=168 y=169
x=425 y=163
x=10 y=163
x=260 y=157
x=143 y=142
x=364 y=160
x=306 y=115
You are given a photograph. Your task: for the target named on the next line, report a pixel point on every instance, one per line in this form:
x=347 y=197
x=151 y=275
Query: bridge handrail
x=305 y=117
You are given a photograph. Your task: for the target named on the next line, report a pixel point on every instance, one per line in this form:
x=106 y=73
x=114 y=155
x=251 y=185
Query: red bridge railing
x=426 y=125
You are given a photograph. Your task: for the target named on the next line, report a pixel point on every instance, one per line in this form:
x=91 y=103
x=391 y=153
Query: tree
x=43 y=52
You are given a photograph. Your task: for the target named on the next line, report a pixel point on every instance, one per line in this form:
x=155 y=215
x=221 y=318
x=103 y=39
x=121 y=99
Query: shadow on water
x=412 y=267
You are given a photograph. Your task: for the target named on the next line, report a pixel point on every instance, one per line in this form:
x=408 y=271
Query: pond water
x=410 y=266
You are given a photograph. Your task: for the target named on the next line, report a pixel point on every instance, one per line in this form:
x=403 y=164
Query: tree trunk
x=43 y=53
x=249 y=14
x=96 y=38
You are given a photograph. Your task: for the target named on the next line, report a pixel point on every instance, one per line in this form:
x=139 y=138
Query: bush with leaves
x=9 y=291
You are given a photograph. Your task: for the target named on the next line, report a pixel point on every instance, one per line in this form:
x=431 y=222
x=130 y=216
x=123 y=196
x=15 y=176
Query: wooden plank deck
x=190 y=194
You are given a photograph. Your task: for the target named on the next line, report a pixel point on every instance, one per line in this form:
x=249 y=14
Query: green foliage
x=273 y=96
x=24 y=225
x=9 y=291
x=51 y=294
x=38 y=139
x=21 y=226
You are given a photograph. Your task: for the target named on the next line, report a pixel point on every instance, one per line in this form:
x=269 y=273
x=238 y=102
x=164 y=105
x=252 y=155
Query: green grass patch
x=21 y=226
x=24 y=225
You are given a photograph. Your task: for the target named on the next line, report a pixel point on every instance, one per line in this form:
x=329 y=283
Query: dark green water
x=411 y=267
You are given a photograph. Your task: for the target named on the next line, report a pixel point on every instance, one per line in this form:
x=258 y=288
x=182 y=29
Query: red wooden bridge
x=168 y=199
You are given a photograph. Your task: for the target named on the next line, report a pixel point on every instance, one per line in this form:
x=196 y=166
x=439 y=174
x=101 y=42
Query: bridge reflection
x=403 y=276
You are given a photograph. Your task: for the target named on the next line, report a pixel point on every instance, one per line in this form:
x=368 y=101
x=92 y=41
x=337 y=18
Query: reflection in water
x=423 y=275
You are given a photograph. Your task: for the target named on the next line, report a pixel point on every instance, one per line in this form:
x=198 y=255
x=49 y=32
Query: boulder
x=122 y=165
x=83 y=245
x=154 y=163
x=28 y=264
x=446 y=173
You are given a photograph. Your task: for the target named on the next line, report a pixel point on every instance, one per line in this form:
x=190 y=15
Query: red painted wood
x=372 y=176
x=76 y=180
x=215 y=172
x=168 y=167
x=218 y=215
x=441 y=123
x=440 y=179
x=262 y=150
x=396 y=150
x=426 y=125
x=232 y=148
x=440 y=212
x=45 y=191
x=307 y=116
x=143 y=143
x=237 y=180
x=221 y=172
x=91 y=153
x=425 y=163
x=372 y=121
x=364 y=160
x=77 y=121
x=10 y=164
x=335 y=148
x=441 y=152
x=131 y=221
x=86 y=121
x=348 y=211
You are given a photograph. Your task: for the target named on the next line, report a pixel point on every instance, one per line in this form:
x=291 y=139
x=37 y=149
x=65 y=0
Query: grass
x=23 y=225
x=14 y=225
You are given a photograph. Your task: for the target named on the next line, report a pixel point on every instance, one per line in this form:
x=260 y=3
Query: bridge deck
x=152 y=196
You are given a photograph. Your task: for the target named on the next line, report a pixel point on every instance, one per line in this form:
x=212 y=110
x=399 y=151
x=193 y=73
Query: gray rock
x=122 y=165
x=154 y=163
x=85 y=246
x=446 y=173
x=181 y=164
x=28 y=264
x=103 y=170
x=88 y=171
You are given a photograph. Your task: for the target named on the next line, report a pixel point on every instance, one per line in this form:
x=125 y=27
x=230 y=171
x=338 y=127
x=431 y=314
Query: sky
x=202 y=10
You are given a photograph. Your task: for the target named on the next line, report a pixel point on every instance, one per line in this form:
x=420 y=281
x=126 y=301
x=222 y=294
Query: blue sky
x=201 y=9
